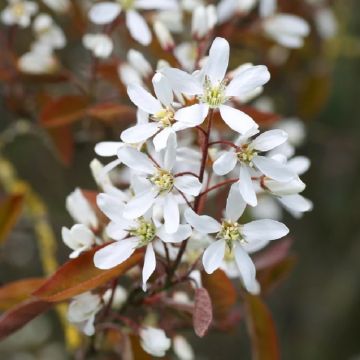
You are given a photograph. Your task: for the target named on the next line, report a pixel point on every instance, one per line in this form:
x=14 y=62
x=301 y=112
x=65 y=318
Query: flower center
x=145 y=232
x=214 y=95
x=127 y=4
x=18 y=9
x=163 y=179
x=165 y=117
x=230 y=232
x=246 y=155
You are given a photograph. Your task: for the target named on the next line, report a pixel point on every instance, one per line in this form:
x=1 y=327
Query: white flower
x=247 y=155
x=119 y=298
x=161 y=110
x=211 y=89
x=80 y=209
x=237 y=238
x=101 y=45
x=182 y=348
x=154 y=341
x=226 y=9
x=79 y=238
x=40 y=60
x=326 y=22
x=203 y=21
x=163 y=35
x=139 y=63
x=160 y=183
x=186 y=54
x=106 y=12
x=19 y=12
x=59 y=6
x=130 y=235
x=286 y=29
x=48 y=33
x=82 y=311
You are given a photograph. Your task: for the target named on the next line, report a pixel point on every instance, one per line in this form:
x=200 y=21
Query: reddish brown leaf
x=272 y=276
x=64 y=141
x=17 y=317
x=111 y=111
x=10 y=210
x=273 y=254
x=261 y=327
x=63 y=111
x=221 y=291
x=18 y=291
x=80 y=275
x=137 y=350
x=203 y=315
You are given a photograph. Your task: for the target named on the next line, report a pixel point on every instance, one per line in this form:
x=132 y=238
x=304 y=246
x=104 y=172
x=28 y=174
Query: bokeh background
x=316 y=310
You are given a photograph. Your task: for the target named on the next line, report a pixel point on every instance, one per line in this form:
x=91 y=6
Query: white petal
x=143 y=99
x=163 y=89
x=182 y=82
x=104 y=13
x=246 y=268
x=139 y=205
x=291 y=187
x=296 y=203
x=264 y=230
x=171 y=214
x=237 y=120
x=114 y=254
x=248 y=80
x=213 y=256
x=116 y=232
x=183 y=232
x=136 y=160
x=273 y=169
x=246 y=187
x=149 y=264
x=160 y=139
x=107 y=148
x=193 y=115
x=111 y=206
x=156 y=4
x=170 y=152
x=299 y=164
x=218 y=60
x=225 y=163
x=138 y=27
x=139 y=133
x=235 y=204
x=203 y=224
x=269 y=140
x=226 y=9
x=188 y=184
x=267 y=8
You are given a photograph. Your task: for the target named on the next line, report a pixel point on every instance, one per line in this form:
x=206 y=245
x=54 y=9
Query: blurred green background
x=317 y=310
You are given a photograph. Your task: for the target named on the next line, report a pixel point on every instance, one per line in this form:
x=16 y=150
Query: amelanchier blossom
x=154 y=341
x=160 y=183
x=209 y=86
x=82 y=311
x=286 y=29
x=106 y=12
x=101 y=45
x=163 y=36
x=59 y=6
x=161 y=109
x=235 y=237
x=226 y=9
x=247 y=154
x=131 y=235
x=19 y=12
x=48 y=33
x=40 y=60
x=203 y=21
x=79 y=238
